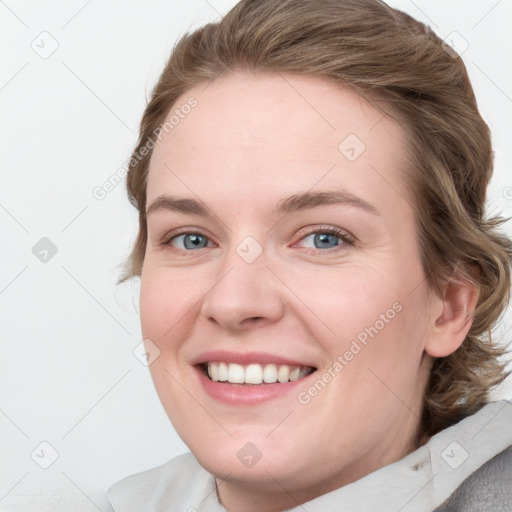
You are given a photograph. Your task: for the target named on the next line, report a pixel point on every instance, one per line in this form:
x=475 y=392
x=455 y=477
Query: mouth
x=253 y=374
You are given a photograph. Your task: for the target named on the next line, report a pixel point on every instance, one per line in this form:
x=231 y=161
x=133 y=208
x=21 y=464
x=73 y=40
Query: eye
x=186 y=241
x=328 y=238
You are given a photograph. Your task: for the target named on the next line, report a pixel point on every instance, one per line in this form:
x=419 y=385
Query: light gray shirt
x=420 y=482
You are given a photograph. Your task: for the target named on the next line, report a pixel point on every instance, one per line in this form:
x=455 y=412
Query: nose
x=244 y=295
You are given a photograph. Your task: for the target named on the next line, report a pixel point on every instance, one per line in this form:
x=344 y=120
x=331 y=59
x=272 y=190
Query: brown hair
x=396 y=61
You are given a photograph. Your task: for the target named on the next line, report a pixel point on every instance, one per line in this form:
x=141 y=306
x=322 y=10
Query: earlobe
x=451 y=325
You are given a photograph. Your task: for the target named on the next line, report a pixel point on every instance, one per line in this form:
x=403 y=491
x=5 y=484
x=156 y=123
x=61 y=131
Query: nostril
x=251 y=320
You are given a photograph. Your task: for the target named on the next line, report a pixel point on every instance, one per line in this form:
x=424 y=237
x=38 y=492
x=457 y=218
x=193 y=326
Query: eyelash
x=346 y=238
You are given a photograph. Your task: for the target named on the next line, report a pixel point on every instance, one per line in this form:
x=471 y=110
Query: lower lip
x=246 y=394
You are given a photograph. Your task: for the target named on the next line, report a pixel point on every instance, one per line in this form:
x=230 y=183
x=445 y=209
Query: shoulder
x=489 y=488
x=180 y=482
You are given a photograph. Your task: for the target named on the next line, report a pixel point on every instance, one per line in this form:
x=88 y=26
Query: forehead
x=255 y=132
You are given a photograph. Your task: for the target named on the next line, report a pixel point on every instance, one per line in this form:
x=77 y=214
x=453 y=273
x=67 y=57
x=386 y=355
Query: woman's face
x=286 y=243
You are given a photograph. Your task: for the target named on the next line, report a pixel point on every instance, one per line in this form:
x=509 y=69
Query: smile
x=254 y=373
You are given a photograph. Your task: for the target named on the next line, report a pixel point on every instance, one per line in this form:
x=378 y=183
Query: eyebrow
x=294 y=203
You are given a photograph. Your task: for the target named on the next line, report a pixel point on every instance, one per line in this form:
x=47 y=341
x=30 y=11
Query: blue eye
x=329 y=238
x=324 y=240
x=191 y=240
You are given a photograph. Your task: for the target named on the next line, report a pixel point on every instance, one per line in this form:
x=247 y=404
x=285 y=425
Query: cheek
x=348 y=300
x=163 y=302
x=154 y=305
x=373 y=319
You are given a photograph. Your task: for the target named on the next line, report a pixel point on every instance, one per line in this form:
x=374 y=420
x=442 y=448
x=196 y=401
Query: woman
x=318 y=279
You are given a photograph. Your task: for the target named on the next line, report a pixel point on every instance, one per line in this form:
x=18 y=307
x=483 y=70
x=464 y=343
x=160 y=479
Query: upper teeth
x=255 y=373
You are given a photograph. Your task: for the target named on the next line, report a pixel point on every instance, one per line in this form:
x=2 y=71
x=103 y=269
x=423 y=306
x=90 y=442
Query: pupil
x=323 y=238
x=193 y=241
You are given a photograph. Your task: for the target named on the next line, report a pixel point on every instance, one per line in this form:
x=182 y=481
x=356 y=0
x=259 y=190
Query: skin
x=252 y=140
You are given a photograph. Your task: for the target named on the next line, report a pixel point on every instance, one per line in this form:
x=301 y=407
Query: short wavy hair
x=403 y=68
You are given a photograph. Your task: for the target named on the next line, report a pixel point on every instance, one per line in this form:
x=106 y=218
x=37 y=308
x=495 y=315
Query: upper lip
x=245 y=358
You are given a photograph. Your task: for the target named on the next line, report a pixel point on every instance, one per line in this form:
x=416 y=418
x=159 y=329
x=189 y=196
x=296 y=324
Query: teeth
x=255 y=373
x=270 y=373
x=236 y=373
x=213 y=371
x=223 y=372
x=283 y=374
x=294 y=374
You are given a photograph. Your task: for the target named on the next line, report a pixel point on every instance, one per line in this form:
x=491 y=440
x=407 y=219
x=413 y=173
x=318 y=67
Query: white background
x=68 y=375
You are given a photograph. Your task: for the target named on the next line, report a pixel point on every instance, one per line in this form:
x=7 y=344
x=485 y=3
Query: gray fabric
x=489 y=489
x=178 y=485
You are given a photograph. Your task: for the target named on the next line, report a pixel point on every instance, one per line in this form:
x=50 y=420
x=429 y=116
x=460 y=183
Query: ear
x=452 y=319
